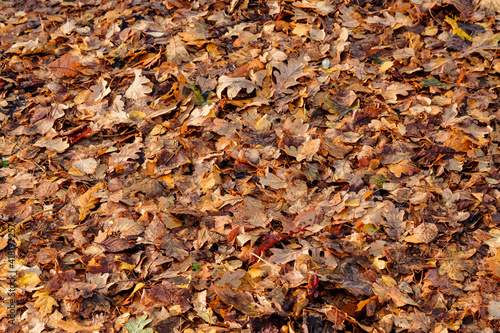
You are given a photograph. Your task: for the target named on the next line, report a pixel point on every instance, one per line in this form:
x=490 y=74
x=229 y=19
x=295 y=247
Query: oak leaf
x=57 y=145
x=99 y=90
x=127 y=152
x=390 y=93
x=138 y=325
x=234 y=85
x=139 y=88
x=287 y=75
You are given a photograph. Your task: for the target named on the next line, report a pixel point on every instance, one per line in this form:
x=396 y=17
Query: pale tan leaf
x=255 y=212
x=176 y=50
x=307 y=151
x=46 y=189
x=273 y=181
x=57 y=145
x=139 y=88
x=99 y=90
x=424 y=233
x=494 y=310
x=490 y=6
x=73 y=326
x=85 y=166
x=234 y=85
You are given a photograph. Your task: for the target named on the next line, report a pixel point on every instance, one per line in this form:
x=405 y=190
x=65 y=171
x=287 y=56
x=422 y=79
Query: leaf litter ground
x=250 y=166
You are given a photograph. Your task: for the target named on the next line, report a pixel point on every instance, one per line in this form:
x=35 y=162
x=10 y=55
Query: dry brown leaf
x=139 y=88
x=87 y=201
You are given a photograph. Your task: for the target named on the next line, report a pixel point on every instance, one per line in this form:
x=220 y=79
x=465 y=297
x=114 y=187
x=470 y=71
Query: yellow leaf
x=137 y=114
x=29 y=279
x=456 y=29
x=385 y=66
x=44 y=302
x=262 y=124
x=389 y=281
x=255 y=273
x=126 y=265
x=157 y=130
x=137 y=288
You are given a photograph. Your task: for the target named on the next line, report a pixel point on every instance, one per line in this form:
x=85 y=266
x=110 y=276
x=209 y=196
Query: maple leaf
x=287 y=75
x=44 y=302
x=138 y=325
x=139 y=88
x=234 y=85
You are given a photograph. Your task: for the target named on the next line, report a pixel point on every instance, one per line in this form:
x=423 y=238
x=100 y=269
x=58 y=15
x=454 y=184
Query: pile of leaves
x=259 y=166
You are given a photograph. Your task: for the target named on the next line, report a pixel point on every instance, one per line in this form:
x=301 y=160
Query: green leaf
x=197 y=96
x=432 y=82
x=137 y=326
x=378 y=60
x=196 y=267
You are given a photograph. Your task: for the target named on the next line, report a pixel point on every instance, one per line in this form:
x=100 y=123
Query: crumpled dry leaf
x=234 y=85
x=87 y=201
x=139 y=88
x=57 y=145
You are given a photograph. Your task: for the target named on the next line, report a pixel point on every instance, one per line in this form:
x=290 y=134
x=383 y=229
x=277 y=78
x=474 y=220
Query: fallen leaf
x=87 y=201
x=139 y=88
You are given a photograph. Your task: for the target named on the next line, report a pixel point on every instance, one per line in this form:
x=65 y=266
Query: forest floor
x=250 y=166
